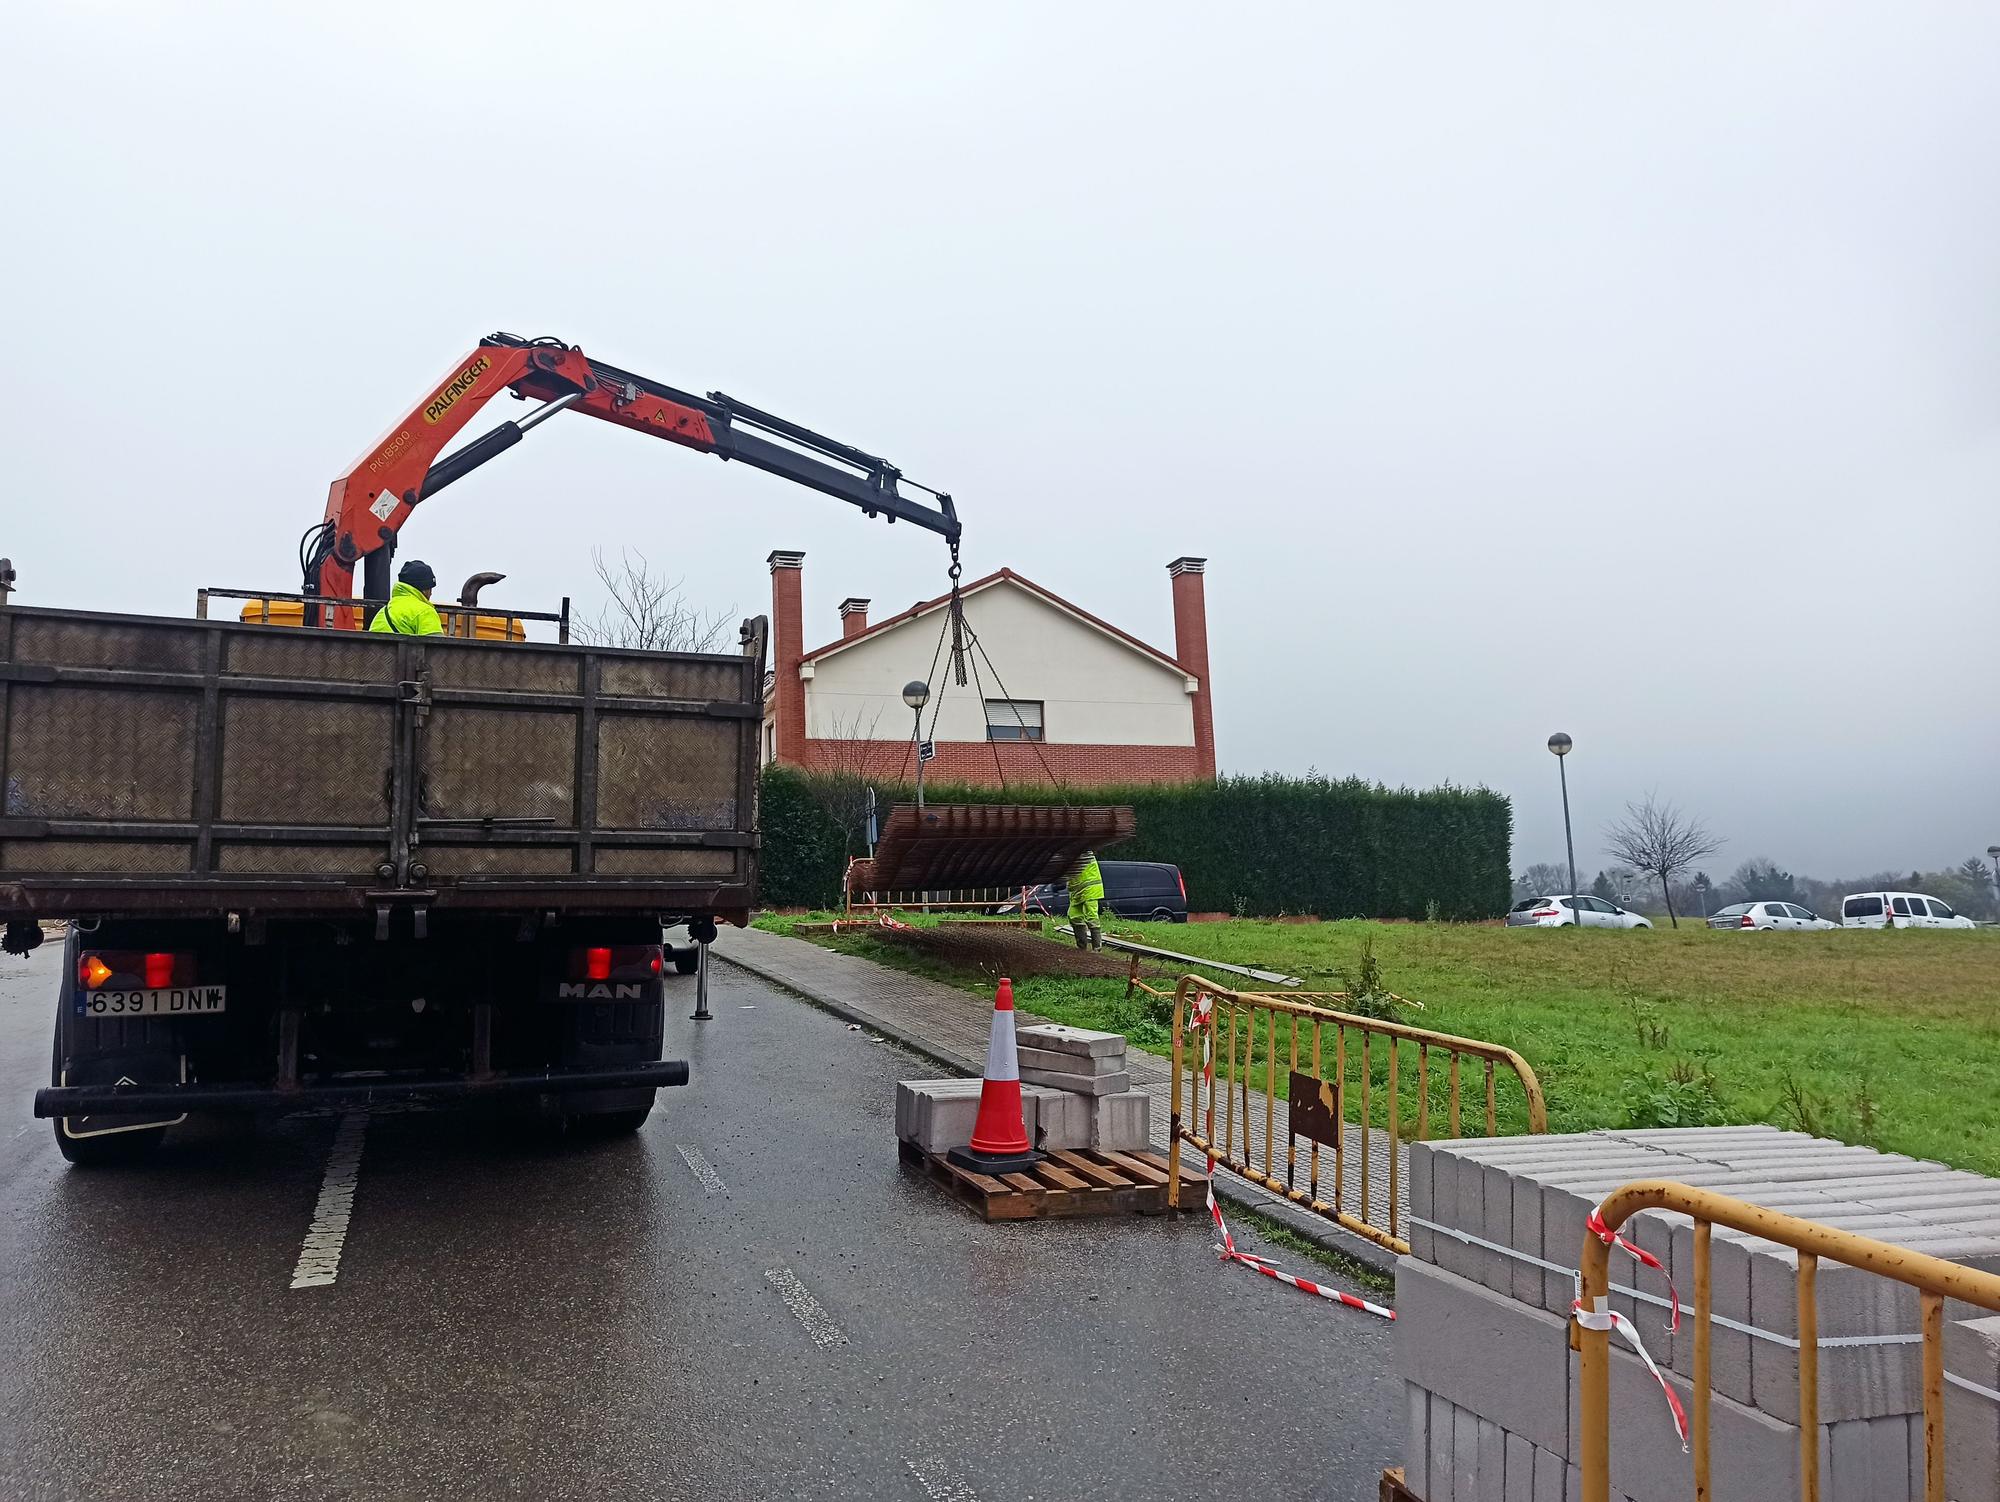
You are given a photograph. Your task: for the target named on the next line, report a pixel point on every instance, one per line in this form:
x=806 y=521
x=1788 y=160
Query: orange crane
x=368 y=505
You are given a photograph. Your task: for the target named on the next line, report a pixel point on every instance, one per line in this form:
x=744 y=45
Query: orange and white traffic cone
x=1000 y=1132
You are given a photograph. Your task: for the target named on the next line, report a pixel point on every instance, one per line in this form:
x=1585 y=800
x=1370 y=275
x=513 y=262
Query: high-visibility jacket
x=408 y=613
x=1087 y=884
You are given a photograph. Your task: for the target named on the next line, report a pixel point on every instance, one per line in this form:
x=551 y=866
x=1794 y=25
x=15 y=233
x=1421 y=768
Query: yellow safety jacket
x=408 y=613
x=1087 y=885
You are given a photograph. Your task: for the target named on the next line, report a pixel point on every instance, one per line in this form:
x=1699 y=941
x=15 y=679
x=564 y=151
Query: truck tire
x=110 y=1150
x=614 y=1123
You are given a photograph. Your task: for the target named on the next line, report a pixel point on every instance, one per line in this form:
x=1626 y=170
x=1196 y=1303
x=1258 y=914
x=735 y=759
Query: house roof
x=1000 y=576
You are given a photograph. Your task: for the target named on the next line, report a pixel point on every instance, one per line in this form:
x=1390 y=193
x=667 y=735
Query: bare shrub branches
x=1660 y=840
x=648 y=610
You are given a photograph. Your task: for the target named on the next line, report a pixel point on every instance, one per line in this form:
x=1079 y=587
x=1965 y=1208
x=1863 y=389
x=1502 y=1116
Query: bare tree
x=1542 y=879
x=1661 y=841
x=844 y=761
x=648 y=610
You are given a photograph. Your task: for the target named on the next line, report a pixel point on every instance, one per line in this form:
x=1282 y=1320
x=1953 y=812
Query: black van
x=1151 y=891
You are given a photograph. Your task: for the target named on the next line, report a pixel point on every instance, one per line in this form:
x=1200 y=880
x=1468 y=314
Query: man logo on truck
x=576 y=990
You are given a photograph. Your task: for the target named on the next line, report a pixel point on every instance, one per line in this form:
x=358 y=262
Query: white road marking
x=319 y=1259
x=702 y=1169
x=939 y=1481
x=819 y=1324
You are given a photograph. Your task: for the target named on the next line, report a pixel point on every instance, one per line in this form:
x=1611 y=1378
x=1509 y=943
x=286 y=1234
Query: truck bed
x=155 y=767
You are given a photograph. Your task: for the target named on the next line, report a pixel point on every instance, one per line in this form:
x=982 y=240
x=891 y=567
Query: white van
x=1899 y=910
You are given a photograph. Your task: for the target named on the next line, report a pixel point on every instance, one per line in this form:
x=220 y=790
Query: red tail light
x=1748 y=921
x=1546 y=912
x=131 y=970
x=617 y=962
x=1181 y=881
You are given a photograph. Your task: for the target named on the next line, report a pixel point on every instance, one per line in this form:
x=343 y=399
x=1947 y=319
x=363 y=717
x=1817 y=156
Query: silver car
x=1767 y=915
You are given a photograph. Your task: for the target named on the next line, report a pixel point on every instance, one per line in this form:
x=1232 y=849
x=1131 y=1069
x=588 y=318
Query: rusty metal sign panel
x=1315 y=1108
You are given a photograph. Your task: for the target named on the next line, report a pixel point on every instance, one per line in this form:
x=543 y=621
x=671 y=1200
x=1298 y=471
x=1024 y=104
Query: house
x=1082 y=702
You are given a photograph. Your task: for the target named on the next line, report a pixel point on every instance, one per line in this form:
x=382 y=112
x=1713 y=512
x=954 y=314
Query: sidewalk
x=952 y=1026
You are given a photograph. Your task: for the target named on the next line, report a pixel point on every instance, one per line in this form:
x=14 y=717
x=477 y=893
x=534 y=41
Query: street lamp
x=1560 y=744
x=1993 y=852
x=916 y=694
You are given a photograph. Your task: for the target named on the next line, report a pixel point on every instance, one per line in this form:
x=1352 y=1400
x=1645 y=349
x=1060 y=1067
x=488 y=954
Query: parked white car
x=1767 y=915
x=1899 y=910
x=1572 y=912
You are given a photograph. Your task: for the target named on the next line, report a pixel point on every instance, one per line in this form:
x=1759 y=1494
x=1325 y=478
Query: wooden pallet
x=1396 y=1489
x=1081 y=1182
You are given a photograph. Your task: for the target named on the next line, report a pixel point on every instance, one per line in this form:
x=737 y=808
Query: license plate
x=166 y=1001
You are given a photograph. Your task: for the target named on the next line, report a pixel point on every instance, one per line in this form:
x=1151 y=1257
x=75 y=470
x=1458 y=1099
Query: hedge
x=1259 y=845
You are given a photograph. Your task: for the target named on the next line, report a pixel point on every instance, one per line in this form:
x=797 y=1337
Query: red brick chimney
x=788 y=650
x=853 y=617
x=1191 y=651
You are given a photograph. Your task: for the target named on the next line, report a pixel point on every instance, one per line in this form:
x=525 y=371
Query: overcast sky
x=1633 y=374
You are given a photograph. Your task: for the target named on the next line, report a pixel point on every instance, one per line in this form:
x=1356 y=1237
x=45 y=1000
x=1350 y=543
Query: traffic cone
x=1000 y=1132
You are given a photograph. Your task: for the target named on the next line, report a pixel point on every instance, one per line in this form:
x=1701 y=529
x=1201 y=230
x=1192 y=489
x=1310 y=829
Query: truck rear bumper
x=149 y=1100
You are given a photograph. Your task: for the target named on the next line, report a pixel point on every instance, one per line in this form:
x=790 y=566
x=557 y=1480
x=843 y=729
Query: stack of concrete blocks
x=1482 y=1334
x=1088 y=1067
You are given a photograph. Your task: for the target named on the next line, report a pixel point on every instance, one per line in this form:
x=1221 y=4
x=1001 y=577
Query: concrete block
x=1855 y=1382
x=1062 y=1120
x=1069 y=1063
x=1055 y=1038
x=1465 y=1457
x=1484 y=1352
x=1421 y=1163
x=1080 y=1084
x=1119 y=1123
x=1520 y=1476
x=1550 y=1471
x=1490 y=1481
x=938 y=1115
x=1755 y=1457
x=1416 y=1438
x=1869 y=1461
x=1496 y=1224
x=1439 y=1468
x=1971 y=1420
x=1526 y=1195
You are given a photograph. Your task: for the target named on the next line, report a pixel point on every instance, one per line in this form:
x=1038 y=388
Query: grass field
x=1890 y=1038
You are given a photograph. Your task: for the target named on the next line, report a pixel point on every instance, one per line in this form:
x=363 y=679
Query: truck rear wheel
x=112 y=1148
x=614 y=1123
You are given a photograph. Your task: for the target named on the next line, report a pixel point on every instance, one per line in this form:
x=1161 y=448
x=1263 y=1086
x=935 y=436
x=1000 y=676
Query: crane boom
x=367 y=506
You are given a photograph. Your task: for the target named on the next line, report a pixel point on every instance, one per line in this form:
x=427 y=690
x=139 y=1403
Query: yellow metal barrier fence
x=1935 y=1280
x=1317 y=1051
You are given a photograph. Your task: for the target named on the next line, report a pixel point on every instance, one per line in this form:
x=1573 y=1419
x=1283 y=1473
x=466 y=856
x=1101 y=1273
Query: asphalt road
x=749 y=1299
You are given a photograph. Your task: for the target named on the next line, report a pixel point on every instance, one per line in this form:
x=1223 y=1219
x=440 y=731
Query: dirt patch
x=993 y=952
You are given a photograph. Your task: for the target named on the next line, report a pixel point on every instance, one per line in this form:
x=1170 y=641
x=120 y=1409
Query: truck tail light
x=132 y=969
x=617 y=962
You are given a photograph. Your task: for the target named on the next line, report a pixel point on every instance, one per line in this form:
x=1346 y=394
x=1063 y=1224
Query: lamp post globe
x=916 y=694
x=1560 y=744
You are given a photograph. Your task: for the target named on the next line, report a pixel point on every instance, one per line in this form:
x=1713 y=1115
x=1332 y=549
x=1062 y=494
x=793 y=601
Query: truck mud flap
x=154 y=1100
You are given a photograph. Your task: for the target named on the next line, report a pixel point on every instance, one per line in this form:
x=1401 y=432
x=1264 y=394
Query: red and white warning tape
x=1607 y=1320
x=1204 y=1020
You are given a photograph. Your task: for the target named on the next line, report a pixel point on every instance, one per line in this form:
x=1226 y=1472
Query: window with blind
x=1013 y=719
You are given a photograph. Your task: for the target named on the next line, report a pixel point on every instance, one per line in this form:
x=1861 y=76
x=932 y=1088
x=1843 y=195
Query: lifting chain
x=957 y=619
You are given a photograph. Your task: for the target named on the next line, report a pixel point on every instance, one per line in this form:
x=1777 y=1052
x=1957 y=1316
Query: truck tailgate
x=155 y=765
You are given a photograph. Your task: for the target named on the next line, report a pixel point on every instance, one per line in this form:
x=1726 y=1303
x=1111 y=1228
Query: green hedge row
x=1265 y=845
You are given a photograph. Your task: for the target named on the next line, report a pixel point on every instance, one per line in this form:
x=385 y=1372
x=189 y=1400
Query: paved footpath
x=952 y=1026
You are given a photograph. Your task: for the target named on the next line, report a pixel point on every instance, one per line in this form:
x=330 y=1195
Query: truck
x=298 y=864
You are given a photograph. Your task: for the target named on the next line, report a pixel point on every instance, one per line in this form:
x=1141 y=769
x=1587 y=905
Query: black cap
x=417 y=574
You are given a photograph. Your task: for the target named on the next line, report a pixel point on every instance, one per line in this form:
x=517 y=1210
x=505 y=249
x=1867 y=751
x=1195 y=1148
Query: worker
x=409 y=611
x=1086 y=892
